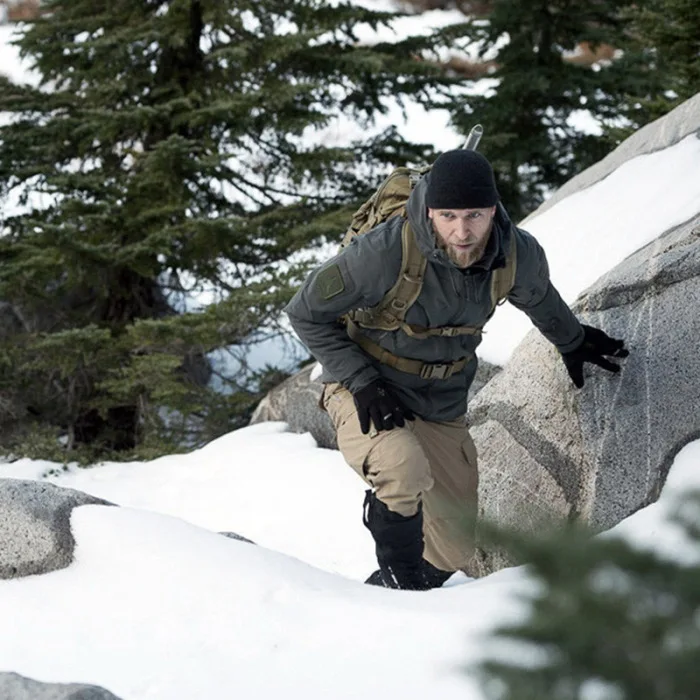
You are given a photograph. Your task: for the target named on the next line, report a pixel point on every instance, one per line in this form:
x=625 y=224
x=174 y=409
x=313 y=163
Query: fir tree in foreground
x=609 y=622
x=173 y=146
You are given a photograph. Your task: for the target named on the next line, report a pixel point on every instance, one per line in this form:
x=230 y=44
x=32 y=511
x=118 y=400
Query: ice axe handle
x=474 y=137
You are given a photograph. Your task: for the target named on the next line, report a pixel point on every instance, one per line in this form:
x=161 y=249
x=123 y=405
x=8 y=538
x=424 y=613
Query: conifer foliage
x=608 y=621
x=662 y=46
x=535 y=90
x=163 y=152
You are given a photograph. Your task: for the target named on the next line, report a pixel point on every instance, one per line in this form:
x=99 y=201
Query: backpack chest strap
x=425 y=370
x=439 y=331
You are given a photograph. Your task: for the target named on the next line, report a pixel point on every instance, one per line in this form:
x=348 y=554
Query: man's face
x=462 y=233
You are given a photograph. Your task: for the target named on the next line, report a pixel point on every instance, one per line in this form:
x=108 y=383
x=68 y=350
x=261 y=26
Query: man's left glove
x=595 y=345
x=376 y=403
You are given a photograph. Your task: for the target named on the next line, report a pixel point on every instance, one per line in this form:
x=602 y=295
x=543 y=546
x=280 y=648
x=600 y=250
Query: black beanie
x=461 y=179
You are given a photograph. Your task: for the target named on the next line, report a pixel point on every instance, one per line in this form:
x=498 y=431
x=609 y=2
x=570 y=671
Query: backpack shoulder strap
x=503 y=278
x=408 y=286
x=391 y=311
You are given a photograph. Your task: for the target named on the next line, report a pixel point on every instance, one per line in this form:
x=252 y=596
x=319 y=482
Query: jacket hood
x=417 y=214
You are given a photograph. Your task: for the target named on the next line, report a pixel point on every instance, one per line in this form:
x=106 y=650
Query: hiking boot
x=434 y=576
x=399 y=547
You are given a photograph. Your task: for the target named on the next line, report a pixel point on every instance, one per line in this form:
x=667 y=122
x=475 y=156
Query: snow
x=158 y=606
x=162 y=609
x=18 y=71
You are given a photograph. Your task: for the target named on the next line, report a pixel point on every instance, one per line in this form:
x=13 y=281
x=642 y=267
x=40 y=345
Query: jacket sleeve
x=358 y=277
x=534 y=294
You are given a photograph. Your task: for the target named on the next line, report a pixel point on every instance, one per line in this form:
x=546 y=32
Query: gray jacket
x=363 y=272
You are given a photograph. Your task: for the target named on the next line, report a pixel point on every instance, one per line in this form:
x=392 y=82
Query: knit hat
x=461 y=179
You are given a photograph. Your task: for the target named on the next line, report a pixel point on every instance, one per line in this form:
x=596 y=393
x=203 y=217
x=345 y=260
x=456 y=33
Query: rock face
x=236 y=536
x=35 y=534
x=484 y=374
x=296 y=402
x=16 y=687
x=549 y=452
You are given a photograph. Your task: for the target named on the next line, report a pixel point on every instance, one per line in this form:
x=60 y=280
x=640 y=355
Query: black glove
x=596 y=343
x=377 y=403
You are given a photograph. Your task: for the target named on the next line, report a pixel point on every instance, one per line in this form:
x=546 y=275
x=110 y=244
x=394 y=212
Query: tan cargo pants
x=432 y=463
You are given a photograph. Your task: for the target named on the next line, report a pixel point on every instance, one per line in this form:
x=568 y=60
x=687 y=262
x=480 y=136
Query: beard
x=464 y=258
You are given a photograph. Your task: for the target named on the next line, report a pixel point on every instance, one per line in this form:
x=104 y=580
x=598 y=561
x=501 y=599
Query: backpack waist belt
x=425 y=370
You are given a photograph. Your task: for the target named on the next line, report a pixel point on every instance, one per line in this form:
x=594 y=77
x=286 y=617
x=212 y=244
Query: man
x=397 y=395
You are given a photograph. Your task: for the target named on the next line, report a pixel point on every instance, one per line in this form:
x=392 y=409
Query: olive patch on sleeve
x=329 y=282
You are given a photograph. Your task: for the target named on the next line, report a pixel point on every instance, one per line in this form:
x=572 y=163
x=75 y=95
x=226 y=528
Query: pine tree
x=608 y=620
x=166 y=150
x=535 y=91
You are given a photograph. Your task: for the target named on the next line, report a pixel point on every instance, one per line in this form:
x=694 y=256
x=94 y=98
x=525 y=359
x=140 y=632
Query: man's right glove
x=376 y=403
x=596 y=343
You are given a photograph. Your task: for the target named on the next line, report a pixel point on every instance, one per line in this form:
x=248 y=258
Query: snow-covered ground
x=156 y=606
